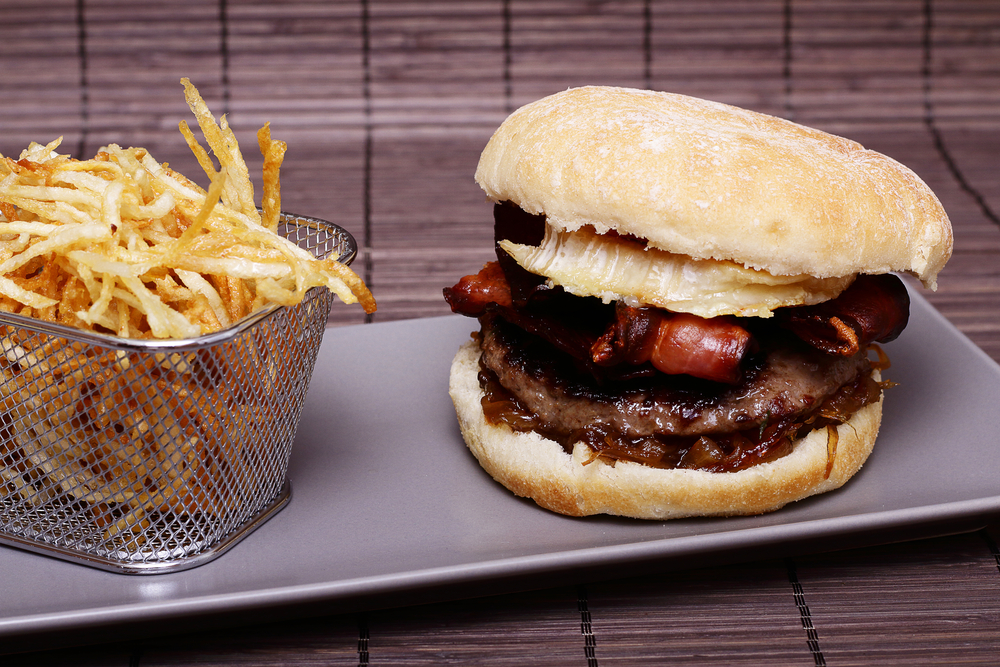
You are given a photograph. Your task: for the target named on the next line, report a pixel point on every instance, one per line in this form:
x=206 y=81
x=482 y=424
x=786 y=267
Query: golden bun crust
x=534 y=467
x=713 y=181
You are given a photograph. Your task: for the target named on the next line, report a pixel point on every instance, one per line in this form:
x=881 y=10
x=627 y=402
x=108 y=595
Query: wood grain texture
x=912 y=613
x=741 y=615
x=386 y=104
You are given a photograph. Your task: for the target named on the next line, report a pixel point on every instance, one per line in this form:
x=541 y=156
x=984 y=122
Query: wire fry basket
x=142 y=456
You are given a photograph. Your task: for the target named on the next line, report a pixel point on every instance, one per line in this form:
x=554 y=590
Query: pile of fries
x=121 y=244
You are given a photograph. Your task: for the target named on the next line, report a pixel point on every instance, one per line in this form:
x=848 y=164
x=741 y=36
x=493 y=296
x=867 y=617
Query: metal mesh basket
x=151 y=456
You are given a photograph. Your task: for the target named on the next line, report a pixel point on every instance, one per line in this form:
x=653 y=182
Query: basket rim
x=181 y=344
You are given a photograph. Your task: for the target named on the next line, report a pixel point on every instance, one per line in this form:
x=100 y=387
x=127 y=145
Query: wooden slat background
x=386 y=104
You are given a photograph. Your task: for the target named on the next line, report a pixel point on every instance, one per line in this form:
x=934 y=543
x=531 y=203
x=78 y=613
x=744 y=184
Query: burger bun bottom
x=535 y=467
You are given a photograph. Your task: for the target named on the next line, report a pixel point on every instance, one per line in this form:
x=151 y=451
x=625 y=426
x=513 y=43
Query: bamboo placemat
x=386 y=105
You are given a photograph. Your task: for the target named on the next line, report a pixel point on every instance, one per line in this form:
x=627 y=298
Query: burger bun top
x=712 y=181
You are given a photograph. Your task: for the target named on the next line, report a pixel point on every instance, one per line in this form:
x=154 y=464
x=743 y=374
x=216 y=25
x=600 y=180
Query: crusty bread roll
x=534 y=467
x=712 y=181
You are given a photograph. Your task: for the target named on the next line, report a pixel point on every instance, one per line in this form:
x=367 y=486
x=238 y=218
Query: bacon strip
x=473 y=294
x=873 y=309
x=638 y=340
x=489 y=292
x=629 y=338
x=675 y=343
x=705 y=348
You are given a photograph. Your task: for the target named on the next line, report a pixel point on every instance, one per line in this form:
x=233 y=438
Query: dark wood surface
x=386 y=105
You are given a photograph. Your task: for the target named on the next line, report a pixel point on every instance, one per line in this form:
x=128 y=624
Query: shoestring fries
x=121 y=244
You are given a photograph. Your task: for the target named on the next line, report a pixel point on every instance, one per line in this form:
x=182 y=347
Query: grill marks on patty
x=785 y=379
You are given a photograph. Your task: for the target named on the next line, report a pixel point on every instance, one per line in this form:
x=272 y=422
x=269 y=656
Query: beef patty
x=785 y=379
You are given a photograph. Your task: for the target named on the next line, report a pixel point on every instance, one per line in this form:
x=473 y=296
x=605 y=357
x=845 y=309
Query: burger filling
x=612 y=268
x=667 y=389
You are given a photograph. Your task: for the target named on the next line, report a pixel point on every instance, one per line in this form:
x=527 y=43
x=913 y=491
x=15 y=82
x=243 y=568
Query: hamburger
x=685 y=311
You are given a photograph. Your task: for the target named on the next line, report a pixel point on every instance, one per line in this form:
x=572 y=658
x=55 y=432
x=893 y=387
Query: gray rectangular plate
x=388 y=505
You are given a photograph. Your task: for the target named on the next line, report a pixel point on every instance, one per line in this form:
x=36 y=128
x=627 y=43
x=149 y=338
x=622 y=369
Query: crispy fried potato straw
x=157 y=255
x=274 y=154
